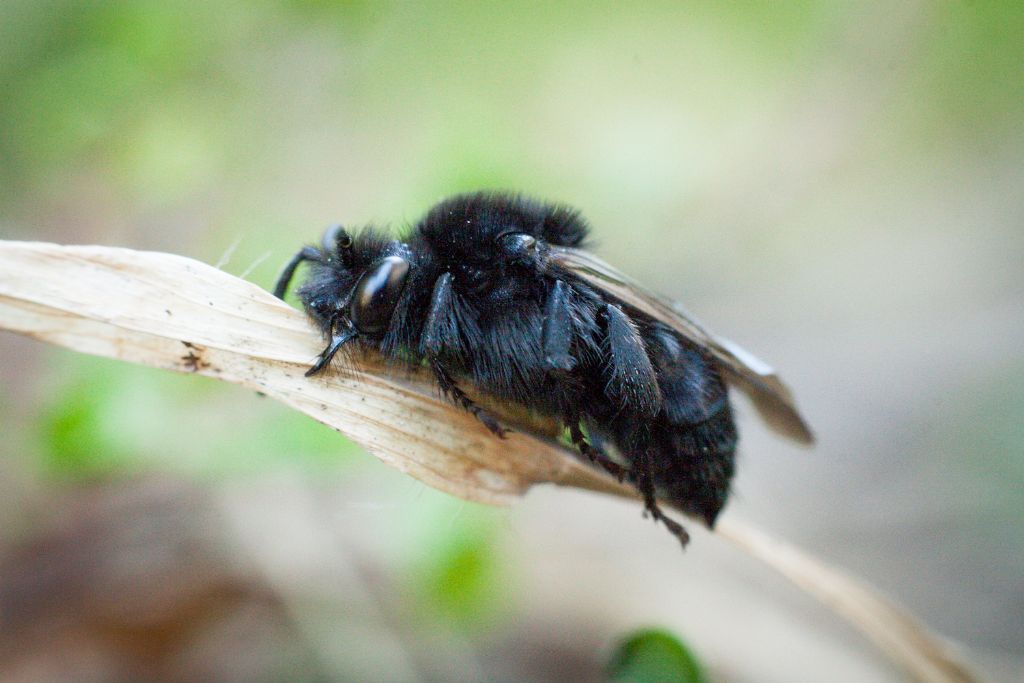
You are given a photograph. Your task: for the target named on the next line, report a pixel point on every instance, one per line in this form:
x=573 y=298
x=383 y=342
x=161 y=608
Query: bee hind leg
x=645 y=483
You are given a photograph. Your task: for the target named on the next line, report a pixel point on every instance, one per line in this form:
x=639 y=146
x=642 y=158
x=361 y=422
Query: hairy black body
x=473 y=291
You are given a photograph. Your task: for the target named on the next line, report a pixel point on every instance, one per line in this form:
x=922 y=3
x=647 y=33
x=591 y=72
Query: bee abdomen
x=695 y=463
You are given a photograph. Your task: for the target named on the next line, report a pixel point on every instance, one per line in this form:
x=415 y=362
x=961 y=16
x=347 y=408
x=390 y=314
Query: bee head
x=359 y=281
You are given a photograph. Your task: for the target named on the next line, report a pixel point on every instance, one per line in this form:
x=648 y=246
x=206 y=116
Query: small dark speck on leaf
x=193 y=360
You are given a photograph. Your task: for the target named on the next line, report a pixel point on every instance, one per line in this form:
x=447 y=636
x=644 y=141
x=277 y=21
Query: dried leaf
x=174 y=313
x=894 y=630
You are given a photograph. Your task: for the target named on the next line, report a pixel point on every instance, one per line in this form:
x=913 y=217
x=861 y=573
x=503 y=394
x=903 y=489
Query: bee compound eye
x=376 y=294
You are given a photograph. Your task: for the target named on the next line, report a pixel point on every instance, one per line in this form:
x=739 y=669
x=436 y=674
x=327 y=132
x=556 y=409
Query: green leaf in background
x=460 y=580
x=104 y=418
x=651 y=655
x=461 y=572
x=73 y=431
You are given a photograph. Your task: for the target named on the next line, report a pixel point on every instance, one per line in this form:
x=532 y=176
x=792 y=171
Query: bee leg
x=441 y=333
x=645 y=483
x=337 y=341
x=557 y=332
x=451 y=389
x=631 y=378
x=595 y=454
x=283 y=280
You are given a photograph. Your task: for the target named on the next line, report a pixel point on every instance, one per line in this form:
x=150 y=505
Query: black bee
x=494 y=290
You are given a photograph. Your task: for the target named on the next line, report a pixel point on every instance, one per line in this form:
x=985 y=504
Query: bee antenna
x=336 y=240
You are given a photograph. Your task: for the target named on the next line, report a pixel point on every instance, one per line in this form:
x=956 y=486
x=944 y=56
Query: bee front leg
x=441 y=335
x=337 y=341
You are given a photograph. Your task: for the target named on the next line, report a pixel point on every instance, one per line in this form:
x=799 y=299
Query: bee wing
x=744 y=370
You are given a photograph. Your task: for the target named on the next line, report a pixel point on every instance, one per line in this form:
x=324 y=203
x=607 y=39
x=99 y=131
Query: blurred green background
x=837 y=186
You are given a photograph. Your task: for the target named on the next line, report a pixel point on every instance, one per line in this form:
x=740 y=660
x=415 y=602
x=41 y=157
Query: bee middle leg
x=557 y=332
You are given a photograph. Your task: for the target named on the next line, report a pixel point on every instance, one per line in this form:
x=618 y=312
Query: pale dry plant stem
x=174 y=313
